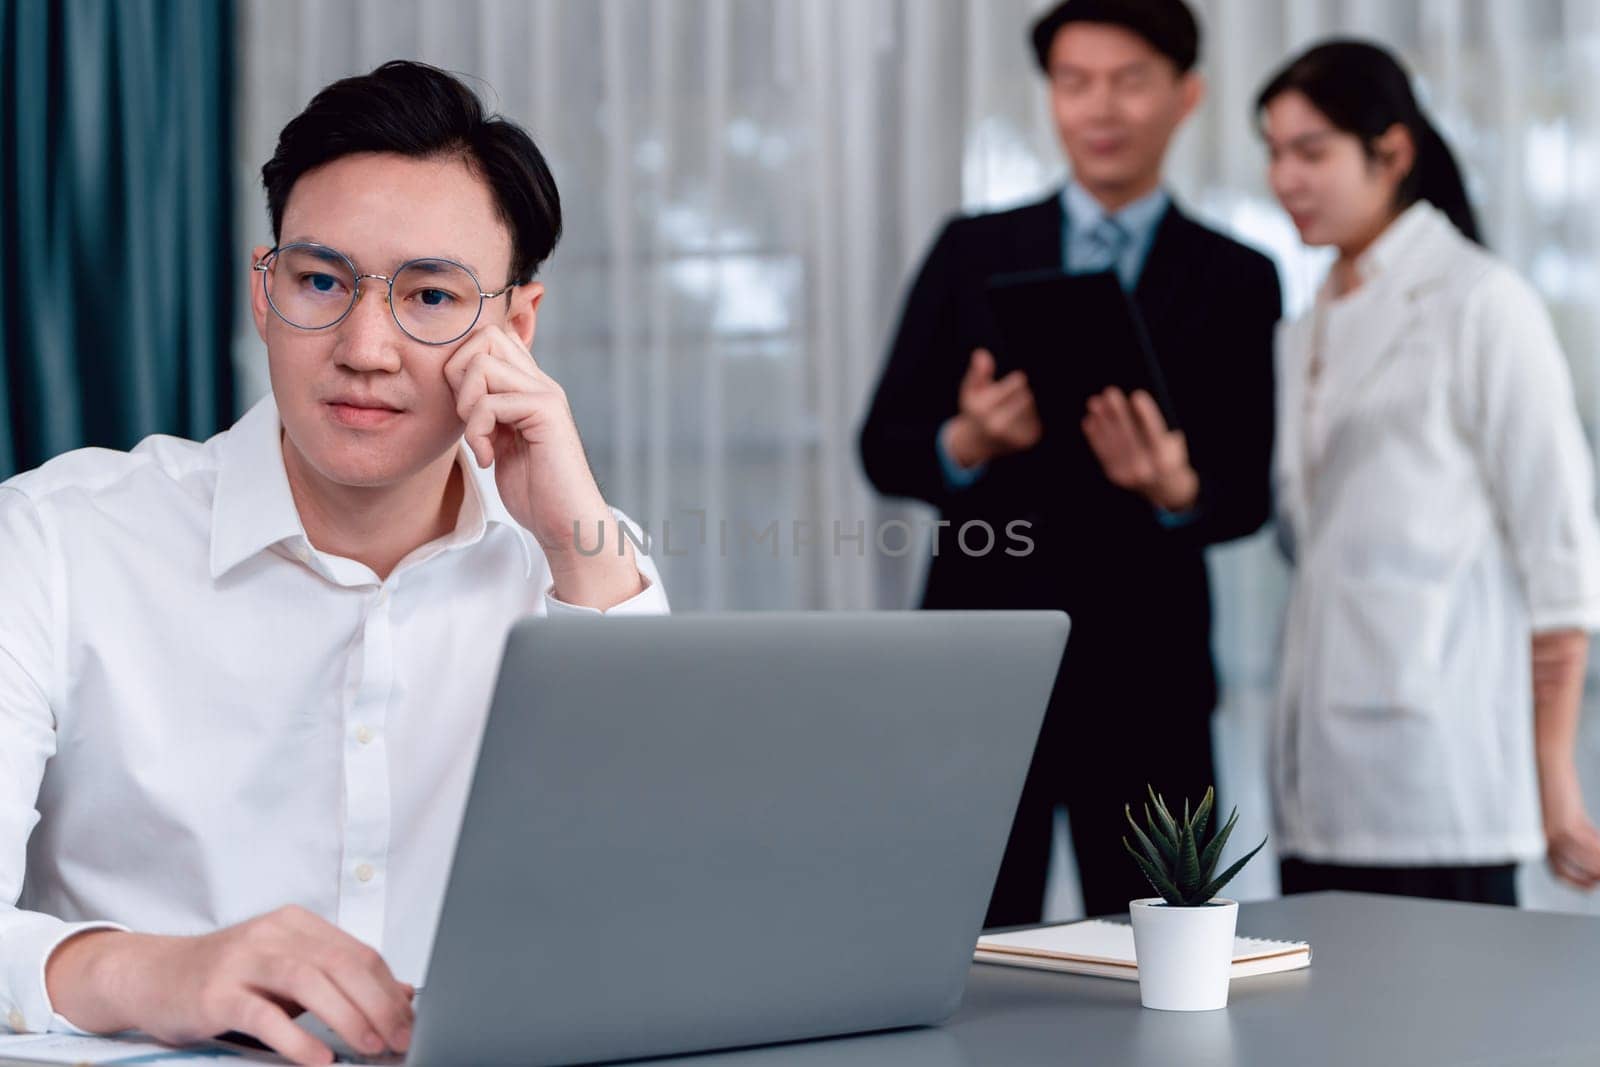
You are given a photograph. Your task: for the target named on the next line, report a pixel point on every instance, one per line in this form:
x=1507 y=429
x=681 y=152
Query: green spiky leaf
x=1150 y=850
x=1202 y=814
x=1164 y=815
x=1158 y=880
x=1214 y=887
x=1168 y=847
x=1188 y=873
x=1213 y=852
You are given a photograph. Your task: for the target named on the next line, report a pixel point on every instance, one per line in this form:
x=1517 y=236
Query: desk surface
x=1392 y=981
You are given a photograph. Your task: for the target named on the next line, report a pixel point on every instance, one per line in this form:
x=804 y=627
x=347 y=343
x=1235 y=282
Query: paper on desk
x=79 y=1049
x=1106 y=949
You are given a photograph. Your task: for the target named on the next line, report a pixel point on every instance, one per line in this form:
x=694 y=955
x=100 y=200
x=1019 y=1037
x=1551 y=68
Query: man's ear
x=258 y=292
x=523 y=315
x=1194 y=93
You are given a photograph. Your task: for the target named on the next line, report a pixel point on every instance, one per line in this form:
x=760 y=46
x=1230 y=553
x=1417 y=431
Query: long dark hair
x=1363 y=90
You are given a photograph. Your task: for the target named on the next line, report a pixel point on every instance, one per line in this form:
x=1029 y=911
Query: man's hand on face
x=517 y=418
x=1138 y=452
x=253 y=978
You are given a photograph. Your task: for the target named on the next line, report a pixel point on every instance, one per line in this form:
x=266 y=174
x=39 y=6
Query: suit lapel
x=1167 y=266
x=1036 y=237
x=1175 y=259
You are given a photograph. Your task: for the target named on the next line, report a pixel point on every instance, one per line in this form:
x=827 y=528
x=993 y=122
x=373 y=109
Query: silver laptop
x=701 y=832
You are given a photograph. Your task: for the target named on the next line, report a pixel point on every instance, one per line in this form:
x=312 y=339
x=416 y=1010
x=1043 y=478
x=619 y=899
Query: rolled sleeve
x=651 y=600
x=1561 y=595
x=1533 y=452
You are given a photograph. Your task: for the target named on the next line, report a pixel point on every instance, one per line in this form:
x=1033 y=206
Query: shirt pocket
x=1385 y=642
x=1375 y=754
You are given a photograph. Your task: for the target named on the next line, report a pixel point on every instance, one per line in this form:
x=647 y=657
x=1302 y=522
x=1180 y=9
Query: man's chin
x=1110 y=177
x=378 y=471
x=373 y=464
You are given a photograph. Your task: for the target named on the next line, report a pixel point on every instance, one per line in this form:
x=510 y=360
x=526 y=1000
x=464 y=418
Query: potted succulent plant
x=1183 y=939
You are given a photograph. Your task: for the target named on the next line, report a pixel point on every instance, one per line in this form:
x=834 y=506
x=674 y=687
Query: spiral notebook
x=1105 y=949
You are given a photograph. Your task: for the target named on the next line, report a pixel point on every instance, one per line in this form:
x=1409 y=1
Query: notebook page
x=1111 y=942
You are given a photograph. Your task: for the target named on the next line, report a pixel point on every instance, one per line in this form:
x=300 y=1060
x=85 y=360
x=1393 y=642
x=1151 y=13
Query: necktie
x=1102 y=247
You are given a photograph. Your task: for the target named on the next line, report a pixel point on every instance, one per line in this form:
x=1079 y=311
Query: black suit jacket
x=1137 y=590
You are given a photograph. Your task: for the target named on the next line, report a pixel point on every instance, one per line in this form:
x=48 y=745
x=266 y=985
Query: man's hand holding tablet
x=996 y=418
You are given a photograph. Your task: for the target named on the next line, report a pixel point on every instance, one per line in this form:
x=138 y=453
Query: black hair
x=417 y=110
x=1363 y=90
x=1168 y=25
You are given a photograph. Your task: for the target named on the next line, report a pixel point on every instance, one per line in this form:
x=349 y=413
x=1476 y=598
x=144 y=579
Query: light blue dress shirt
x=1083 y=220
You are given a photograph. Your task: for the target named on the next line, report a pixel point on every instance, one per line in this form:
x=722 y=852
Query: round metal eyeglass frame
x=264 y=264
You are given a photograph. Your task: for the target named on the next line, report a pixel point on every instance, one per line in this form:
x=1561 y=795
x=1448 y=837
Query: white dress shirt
x=208 y=718
x=1437 y=494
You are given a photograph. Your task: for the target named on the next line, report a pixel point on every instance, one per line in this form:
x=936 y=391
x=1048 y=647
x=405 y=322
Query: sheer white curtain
x=748 y=183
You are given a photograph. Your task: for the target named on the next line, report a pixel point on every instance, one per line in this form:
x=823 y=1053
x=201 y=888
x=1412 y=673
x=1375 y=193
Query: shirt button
x=17 y=1022
x=383 y=597
x=364 y=735
x=365 y=872
x=301 y=554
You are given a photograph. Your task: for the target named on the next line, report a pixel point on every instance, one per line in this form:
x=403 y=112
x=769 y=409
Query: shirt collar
x=1083 y=211
x=1413 y=248
x=1401 y=237
x=253 y=508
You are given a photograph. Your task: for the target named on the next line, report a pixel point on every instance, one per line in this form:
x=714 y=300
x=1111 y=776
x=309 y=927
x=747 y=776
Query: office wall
x=749 y=182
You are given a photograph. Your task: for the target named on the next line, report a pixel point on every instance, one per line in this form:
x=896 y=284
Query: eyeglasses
x=313 y=287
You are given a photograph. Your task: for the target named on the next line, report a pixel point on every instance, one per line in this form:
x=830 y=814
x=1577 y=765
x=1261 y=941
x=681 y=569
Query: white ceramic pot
x=1185 y=955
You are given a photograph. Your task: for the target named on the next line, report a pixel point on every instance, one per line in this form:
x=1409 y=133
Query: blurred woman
x=1435 y=495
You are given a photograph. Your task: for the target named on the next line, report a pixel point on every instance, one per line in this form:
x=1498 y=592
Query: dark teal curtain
x=116 y=272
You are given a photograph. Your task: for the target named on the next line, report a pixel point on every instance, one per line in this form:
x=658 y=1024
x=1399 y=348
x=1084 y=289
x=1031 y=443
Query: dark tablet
x=1074 y=335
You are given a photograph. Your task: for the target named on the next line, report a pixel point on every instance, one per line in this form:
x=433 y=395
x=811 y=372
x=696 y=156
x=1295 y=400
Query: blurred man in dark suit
x=1120 y=506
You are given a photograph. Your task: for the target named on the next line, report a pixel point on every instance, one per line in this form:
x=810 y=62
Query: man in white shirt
x=242 y=681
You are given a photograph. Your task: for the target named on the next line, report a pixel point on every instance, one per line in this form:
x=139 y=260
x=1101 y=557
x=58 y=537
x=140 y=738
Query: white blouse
x=1437 y=495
